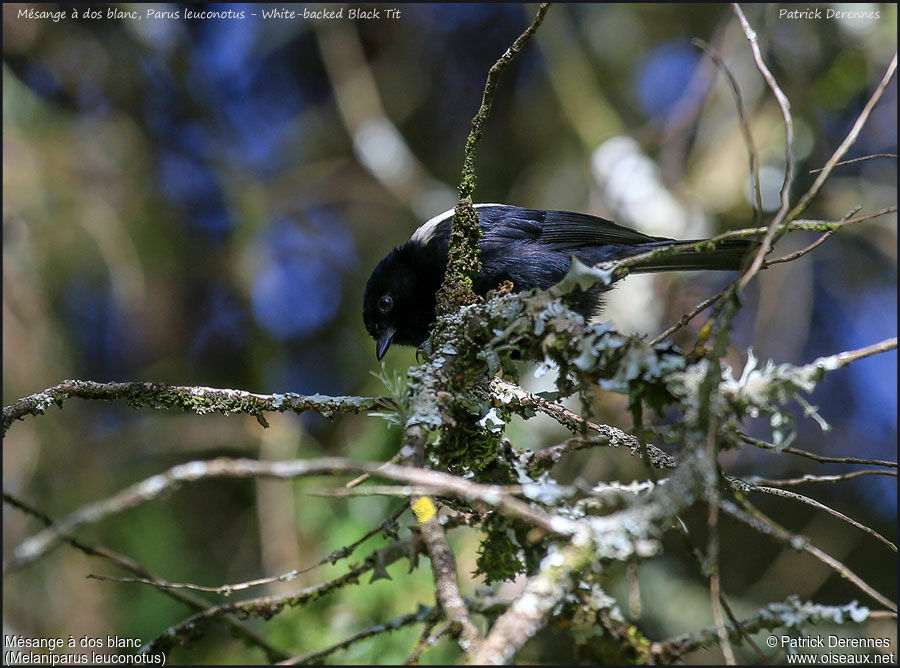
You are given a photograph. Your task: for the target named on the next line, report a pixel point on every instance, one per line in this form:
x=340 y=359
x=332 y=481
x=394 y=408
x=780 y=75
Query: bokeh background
x=200 y=203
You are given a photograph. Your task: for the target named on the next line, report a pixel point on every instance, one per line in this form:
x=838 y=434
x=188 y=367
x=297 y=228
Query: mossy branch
x=463 y=263
x=199 y=400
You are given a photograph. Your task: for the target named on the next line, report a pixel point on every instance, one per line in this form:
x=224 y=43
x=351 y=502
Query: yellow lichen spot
x=423 y=509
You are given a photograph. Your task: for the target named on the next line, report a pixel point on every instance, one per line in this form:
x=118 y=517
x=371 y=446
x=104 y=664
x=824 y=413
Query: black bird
x=531 y=248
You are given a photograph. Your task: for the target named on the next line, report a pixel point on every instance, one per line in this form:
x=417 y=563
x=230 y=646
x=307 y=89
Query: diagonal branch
x=446 y=584
x=821 y=506
x=761 y=523
x=785 y=106
x=849 y=140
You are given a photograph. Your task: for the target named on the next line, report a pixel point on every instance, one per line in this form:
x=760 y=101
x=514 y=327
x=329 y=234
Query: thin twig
x=426 y=640
x=756 y=520
x=358 y=480
x=712 y=546
x=849 y=140
x=621 y=268
x=685 y=319
x=268 y=606
x=224 y=467
x=745 y=125
x=855 y=160
x=815 y=244
x=228 y=589
x=740 y=628
x=803 y=225
x=843 y=359
x=385 y=627
x=785 y=106
x=838 y=477
x=821 y=506
x=762 y=445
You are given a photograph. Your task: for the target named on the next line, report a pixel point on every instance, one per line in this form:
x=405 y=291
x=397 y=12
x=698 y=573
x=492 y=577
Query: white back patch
x=426 y=231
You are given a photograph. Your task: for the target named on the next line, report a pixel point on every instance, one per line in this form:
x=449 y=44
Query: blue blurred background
x=200 y=203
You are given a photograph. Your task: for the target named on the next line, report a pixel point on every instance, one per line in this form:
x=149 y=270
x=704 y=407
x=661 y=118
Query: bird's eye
x=385 y=304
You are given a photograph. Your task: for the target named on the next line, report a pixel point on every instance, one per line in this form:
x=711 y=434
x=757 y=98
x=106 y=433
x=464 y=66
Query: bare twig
x=446 y=585
x=759 y=522
x=785 y=106
x=151 y=488
x=712 y=551
x=849 y=140
x=685 y=319
x=762 y=445
x=821 y=506
x=745 y=125
x=855 y=160
x=740 y=628
x=228 y=589
x=843 y=359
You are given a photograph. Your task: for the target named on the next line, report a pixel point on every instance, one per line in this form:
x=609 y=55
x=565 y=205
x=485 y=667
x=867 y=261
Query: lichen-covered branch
x=467 y=182
x=792 y=614
x=543 y=592
x=524 y=403
x=199 y=400
x=463 y=262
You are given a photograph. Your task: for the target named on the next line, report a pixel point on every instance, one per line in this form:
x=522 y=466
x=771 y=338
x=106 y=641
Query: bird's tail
x=728 y=254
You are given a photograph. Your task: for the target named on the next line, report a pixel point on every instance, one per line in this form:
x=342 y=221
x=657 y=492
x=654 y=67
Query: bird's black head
x=398 y=306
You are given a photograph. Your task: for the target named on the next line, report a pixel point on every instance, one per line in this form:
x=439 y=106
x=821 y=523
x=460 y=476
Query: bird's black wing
x=558 y=230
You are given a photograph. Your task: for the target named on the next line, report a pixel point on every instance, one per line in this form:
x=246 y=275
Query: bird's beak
x=384 y=342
